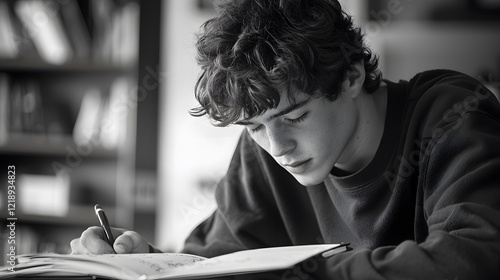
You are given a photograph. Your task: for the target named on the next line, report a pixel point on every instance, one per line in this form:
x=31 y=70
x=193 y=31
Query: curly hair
x=255 y=47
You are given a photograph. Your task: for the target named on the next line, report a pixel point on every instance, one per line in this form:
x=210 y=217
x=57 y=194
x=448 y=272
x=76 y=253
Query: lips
x=297 y=166
x=294 y=164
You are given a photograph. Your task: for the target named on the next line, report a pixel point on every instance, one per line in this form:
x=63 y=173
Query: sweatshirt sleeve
x=460 y=182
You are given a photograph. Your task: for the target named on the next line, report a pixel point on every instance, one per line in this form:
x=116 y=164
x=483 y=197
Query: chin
x=309 y=180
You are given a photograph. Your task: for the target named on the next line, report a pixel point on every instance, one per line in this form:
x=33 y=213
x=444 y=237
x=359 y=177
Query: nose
x=280 y=142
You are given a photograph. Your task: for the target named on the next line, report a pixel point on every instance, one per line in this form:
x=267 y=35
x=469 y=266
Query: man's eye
x=255 y=129
x=299 y=119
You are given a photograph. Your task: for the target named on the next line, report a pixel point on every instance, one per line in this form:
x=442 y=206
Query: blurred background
x=95 y=94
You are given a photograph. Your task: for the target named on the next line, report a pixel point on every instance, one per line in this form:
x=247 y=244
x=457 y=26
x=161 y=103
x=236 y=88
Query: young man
x=407 y=172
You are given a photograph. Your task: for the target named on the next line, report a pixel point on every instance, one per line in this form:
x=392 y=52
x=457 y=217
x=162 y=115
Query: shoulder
x=440 y=98
x=446 y=84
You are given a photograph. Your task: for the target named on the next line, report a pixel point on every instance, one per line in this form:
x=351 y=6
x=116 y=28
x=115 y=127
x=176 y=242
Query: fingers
x=131 y=242
x=92 y=241
x=77 y=248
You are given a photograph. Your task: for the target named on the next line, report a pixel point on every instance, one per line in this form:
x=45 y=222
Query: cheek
x=322 y=142
x=322 y=131
x=325 y=133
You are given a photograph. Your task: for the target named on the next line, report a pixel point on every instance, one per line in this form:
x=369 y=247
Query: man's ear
x=354 y=80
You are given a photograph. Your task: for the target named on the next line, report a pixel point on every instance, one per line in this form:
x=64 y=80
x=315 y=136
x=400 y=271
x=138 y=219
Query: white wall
x=192 y=151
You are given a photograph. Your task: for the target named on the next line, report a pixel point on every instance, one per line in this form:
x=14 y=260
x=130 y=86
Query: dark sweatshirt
x=426 y=207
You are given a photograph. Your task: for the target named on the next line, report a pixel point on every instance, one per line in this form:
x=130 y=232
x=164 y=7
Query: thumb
x=130 y=242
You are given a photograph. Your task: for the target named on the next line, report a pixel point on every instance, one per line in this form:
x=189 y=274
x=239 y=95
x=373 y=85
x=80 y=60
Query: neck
x=368 y=135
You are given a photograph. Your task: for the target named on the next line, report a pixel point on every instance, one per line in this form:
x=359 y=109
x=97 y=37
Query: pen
x=103 y=220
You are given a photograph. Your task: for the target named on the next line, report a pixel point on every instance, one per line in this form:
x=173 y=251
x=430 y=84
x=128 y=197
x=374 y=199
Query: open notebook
x=167 y=265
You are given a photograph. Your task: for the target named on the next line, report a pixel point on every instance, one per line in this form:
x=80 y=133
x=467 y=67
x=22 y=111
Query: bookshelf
x=78 y=117
x=25 y=65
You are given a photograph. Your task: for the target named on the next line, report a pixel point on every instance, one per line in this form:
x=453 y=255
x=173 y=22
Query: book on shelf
x=25 y=113
x=21 y=109
x=167 y=265
x=115 y=32
x=4 y=107
x=15 y=39
x=16 y=113
x=101 y=22
x=76 y=29
x=86 y=129
x=9 y=46
x=45 y=29
x=32 y=108
x=125 y=34
x=113 y=125
x=60 y=31
x=102 y=118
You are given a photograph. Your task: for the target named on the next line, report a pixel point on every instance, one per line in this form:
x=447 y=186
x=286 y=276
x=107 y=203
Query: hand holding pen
x=103 y=220
x=106 y=240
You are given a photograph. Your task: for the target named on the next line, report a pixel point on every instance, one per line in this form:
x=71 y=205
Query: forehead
x=290 y=99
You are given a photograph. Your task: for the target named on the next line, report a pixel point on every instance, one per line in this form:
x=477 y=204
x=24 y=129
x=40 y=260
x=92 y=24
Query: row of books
x=101 y=118
x=61 y=31
x=20 y=108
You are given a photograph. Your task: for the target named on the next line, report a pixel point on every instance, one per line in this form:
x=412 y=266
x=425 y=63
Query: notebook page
x=122 y=266
x=249 y=261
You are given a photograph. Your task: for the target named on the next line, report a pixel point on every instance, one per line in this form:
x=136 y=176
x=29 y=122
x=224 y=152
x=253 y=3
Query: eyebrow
x=285 y=111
